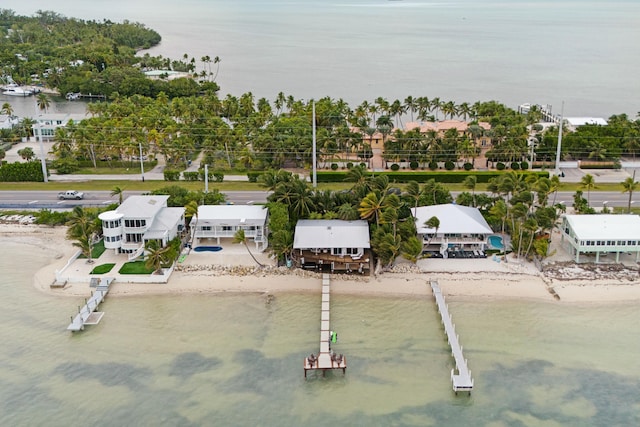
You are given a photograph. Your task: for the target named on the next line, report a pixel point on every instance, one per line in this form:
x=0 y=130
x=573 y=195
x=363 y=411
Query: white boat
x=15 y=90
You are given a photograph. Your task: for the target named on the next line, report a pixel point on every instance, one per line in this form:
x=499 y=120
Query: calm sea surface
x=583 y=52
x=237 y=360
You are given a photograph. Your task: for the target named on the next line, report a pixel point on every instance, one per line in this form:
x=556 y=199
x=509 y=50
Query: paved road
x=49 y=200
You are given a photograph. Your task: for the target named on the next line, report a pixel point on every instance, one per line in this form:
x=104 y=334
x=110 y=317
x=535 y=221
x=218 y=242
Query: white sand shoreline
x=457 y=285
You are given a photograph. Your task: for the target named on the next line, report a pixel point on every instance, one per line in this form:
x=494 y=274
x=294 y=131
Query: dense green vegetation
x=73 y=55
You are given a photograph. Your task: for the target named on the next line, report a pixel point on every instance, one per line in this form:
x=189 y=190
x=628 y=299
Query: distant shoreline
x=457 y=285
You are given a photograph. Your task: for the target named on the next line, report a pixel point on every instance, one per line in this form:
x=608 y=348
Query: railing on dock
x=462 y=381
x=87 y=314
x=326 y=358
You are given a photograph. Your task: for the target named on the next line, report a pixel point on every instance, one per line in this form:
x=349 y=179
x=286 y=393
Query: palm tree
x=588 y=182
x=190 y=211
x=239 y=237
x=43 y=102
x=118 y=191
x=470 y=183
x=7 y=109
x=414 y=192
x=371 y=206
x=83 y=227
x=156 y=256
x=411 y=249
x=433 y=223
x=629 y=185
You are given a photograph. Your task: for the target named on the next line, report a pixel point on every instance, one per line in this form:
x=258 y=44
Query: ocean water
x=236 y=360
x=582 y=52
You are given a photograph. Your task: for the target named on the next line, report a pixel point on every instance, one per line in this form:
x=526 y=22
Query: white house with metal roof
x=223 y=221
x=138 y=220
x=462 y=228
x=602 y=235
x=332 y=244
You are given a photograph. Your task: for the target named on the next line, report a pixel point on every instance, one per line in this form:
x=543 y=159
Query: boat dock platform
x=462 y=381
x=87 y=314
x=326 y=359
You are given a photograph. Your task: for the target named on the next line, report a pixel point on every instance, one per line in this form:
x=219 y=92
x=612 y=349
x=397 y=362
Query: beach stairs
x=88 y=315
x=326 y=359
x=460 y=376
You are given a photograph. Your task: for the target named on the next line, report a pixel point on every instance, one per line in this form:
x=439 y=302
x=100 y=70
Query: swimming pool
x=496 y=242
x=207 y=248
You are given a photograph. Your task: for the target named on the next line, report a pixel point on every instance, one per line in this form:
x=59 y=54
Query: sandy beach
x=458 y=279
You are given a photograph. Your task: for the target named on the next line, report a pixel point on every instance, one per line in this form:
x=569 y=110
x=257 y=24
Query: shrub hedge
x=443 y=177
x=21 y=172
x=253 y=175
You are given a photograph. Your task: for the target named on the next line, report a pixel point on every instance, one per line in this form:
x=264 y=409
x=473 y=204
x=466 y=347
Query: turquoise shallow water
x=237 y=360
x=583 y=52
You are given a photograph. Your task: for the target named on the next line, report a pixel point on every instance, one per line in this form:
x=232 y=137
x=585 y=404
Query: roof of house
x=142 y=206
x=581 y=121
x=331 y=233
x=167 y=219
x=453 y=219
x=231 y=215
x=444 y=125
x=63 y=117
x=603 y=227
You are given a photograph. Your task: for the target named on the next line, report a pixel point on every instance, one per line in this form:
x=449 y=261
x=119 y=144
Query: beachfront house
x=463 y=231
x=46 y=124
x=601 y=235
x=138 y=220
x=332 y=245
x=216 y=222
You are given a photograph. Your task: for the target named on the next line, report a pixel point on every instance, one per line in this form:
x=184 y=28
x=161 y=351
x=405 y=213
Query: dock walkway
x=325 y=359
x=87 y=314
x=462 y=381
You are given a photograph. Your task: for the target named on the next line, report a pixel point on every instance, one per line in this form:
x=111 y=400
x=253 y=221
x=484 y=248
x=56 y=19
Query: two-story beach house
x=138 y=220
x=223 y=221
x=462 y=230
x=601 y=235
x=332 y=245
x=46 y=124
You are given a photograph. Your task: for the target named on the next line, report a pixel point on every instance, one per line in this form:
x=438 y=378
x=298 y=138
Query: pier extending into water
x=326 y=358
x=88 y=315
x=462 y=381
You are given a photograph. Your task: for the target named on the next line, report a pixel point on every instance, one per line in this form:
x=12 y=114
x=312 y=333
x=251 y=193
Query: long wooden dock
x=87 y=314
x=462 y=381
x=326 y=358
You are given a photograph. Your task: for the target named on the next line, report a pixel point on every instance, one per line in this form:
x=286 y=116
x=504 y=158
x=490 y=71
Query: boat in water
x=16 y=90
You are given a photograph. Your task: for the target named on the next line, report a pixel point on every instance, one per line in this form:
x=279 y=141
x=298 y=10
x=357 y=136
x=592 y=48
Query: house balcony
x=212 y=234
x=454 y=240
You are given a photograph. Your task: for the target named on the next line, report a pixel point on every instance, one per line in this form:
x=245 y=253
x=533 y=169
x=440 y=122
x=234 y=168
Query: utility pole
x=43 y=161
x=141 y=162
x=559 y=140
x=313 y=158
x=206 y=178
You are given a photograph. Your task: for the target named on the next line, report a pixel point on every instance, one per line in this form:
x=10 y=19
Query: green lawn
x=102 y=269
x=98 y=249
x=135 y=267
